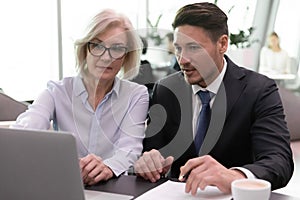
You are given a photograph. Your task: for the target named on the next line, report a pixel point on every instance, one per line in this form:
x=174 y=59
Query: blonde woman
x=105 y=112
x=273 y=59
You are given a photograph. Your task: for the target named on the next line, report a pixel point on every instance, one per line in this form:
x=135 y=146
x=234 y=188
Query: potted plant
x=153 y=34
x=242 y=39
x=239 y=44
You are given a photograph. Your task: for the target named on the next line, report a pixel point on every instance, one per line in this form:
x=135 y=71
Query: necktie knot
x=204 y=96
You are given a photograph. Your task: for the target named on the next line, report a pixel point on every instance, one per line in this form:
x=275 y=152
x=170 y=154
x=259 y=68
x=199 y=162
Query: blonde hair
x=100 y=23
x=273 y=34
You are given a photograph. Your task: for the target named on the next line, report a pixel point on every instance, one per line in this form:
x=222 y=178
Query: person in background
x=106 y=114
x=145 y=75
x=273 y=59
x=171 y=49
x=214 y=122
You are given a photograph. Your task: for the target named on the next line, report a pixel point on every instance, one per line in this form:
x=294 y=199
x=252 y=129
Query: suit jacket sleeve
x=255 y=134
x=270 y=138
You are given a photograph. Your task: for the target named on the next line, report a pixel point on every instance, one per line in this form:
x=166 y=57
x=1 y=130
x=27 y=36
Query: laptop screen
x=39 y=165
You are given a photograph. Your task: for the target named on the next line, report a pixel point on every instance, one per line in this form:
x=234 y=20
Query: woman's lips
x=104 y=68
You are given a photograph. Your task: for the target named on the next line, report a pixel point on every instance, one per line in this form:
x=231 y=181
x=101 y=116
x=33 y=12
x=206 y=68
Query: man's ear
x=223 y=43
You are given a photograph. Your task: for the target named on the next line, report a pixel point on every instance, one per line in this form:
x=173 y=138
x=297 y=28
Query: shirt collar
x=215 y=85
x=79 y=87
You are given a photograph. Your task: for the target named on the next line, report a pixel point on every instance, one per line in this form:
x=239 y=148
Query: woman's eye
x=99 y=46
x=116 y=48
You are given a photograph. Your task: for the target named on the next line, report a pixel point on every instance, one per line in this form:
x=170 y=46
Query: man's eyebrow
x=189 y=43
x=193 y=43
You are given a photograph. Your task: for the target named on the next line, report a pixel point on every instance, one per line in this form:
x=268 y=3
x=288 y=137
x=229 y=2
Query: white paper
x=171 y=190
x=96 y=195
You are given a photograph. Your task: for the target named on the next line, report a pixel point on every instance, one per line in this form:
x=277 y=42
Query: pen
x=184 y=176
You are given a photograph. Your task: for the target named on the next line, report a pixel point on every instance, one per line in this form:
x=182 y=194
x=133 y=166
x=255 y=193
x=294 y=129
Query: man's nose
x=183 y=58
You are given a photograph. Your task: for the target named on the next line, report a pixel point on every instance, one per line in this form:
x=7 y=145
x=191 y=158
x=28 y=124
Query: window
x=287 y=26
x=29 y=37
x=28 y=47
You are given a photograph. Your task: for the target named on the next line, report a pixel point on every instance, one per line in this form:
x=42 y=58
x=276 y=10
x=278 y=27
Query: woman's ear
x=223 y=43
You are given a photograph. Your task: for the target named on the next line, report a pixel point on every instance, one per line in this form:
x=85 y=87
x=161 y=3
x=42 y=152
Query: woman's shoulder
x=131 y=87
x=265 y=49
x=284 y=52
x=63 y=84
x=63 y=81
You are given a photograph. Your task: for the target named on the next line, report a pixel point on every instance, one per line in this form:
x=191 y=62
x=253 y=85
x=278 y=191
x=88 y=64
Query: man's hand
x=151 y=165
x=93 y=169
x=204 y=171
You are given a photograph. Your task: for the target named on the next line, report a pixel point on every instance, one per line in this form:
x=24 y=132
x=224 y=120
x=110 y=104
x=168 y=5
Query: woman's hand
x=151 y=165
x=94 y=170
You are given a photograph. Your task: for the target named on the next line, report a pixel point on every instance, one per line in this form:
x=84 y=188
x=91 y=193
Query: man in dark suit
x=247 y=136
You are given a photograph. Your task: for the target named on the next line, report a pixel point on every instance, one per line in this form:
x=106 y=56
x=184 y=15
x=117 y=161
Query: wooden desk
x=135 y=186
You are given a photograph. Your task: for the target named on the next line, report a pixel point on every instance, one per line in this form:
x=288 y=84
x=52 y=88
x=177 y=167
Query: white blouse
x=274 y=62
x=114 y=131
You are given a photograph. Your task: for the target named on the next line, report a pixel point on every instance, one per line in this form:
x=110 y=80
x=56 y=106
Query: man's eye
x=178 y=49
x=194 y=48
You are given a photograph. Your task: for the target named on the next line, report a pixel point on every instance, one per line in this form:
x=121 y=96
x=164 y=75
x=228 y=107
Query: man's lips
x=188 y=69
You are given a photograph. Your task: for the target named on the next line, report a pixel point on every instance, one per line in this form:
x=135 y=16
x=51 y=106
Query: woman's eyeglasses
x=115 y=51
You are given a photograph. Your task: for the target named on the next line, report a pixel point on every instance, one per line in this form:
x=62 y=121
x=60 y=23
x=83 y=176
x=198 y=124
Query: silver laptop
x=42 y=165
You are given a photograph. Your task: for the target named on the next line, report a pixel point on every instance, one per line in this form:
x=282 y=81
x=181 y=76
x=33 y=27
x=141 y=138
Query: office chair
x=10 y=108
x=291 y=105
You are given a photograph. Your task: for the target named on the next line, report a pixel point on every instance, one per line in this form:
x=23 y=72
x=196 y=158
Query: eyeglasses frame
x=106 y=49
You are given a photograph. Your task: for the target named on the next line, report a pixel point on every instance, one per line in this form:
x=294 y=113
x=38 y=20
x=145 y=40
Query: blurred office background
x=37 y=36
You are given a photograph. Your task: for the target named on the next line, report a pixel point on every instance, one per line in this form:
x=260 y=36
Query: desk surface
x=128 y=185
x=280 y=76
x=135 y=186
x=6 y=124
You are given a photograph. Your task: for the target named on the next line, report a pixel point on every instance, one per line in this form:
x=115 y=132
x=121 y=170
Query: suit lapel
x=234 y=83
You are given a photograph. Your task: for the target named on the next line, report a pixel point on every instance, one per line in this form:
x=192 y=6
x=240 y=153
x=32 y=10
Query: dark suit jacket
x=247 y=128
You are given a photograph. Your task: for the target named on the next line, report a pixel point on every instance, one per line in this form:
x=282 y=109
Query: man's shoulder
x=238 y=76
x=241 y=72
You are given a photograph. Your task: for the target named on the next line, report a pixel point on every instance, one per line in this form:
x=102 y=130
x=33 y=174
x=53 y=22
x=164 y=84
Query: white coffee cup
x=250 y=189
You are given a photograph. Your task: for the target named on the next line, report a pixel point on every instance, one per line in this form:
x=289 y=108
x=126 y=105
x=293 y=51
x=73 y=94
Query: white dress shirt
x=114 y=131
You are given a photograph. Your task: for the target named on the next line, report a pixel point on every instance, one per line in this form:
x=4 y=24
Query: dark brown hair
x=205 y=15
